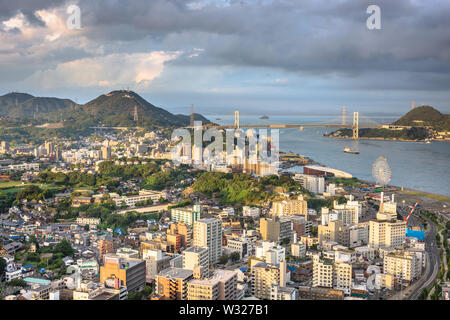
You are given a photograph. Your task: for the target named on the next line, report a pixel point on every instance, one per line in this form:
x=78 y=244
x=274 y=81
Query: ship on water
x=348 y=150
x=264 y=117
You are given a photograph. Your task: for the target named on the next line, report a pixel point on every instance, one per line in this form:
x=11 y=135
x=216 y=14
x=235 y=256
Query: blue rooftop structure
x=415 y=234
x=36 y=280
x=291 y=268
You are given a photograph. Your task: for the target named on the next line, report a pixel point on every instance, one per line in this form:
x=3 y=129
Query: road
x=432 y=265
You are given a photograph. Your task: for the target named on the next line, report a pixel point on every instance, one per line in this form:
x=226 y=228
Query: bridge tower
x=236 y=120
x=344 y=114
x=192 y=115
x=355 y=125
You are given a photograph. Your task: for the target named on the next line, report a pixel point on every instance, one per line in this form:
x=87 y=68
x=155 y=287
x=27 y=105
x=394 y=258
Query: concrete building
x=197 y=257
x=187 y=215
x=172 y=283
x=283 y=293
x=105 y=245
x=264 y=276
x=298 y=249
x=314 y=184
x=155 y=262
x=221 y=286
x=335 y=231
x=386 y=233
x=131 y=272
x=322 y=272
x=238 y=245
x=289 y=207
x=143 y=196
x=403 y=265
x=184 y=231
x=208 y=233
x=275 y=229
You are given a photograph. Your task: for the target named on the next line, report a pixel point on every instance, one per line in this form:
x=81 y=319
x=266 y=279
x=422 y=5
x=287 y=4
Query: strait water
x=414 y=165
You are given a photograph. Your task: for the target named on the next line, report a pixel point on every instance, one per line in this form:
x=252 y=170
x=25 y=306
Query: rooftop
x=177 y=273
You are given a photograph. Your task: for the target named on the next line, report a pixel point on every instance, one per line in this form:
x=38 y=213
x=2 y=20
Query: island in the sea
x=420 y=124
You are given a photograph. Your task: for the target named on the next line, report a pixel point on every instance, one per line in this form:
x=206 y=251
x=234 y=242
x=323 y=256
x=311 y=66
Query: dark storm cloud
x=9 y=8
x=309 y=37
x=299 y=36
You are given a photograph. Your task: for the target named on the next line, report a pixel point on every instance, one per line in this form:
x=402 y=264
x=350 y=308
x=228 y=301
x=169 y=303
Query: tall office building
x=208 y=233
x=106 y=152
x=4 y=146
x=50 y=148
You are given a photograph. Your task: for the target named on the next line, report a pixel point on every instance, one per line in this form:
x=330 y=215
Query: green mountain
x=116 y=109
x=24 y=106
x=125 y=108
x=11 y=101
x=425 y=116
x=197 y=117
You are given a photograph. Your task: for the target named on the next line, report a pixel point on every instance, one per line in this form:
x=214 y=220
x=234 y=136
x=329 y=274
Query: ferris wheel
x=381 y=171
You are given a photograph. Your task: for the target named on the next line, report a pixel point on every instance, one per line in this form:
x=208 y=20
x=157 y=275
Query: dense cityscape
x=111 y=217
x=215 y=158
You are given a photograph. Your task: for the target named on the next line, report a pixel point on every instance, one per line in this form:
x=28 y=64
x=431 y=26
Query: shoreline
x=388 y=139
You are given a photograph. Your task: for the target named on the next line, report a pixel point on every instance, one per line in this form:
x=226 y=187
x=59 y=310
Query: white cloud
x=119 y=69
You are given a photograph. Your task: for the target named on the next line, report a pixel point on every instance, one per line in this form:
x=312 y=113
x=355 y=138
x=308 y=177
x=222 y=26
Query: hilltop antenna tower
x=412 y=105
x=136 y=116
x=344 y=114
x=192 y=115
x=355 y=125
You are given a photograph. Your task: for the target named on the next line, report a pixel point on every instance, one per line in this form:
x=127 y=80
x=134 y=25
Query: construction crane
x=410 y=212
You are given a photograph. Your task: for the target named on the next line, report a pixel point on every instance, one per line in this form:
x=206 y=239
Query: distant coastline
x=389 y=139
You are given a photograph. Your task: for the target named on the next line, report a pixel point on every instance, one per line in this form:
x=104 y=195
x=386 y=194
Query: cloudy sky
x=260 y=56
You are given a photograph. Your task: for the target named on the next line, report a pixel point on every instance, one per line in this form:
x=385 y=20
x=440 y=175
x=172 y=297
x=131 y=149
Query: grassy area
x=10 y=184
x=427 y=195
x=15 y=186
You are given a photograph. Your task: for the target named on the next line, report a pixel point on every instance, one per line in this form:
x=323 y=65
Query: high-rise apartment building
x=208 y=233
x=187 y=215
x=290 y=207
x=275 y=229
x=172 y=283
x=402 y=265
x=105 y=245
x=264 y=276
x=386 y=233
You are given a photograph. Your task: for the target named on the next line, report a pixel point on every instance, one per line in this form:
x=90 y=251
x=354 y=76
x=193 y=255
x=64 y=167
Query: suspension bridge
x=350 y=121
